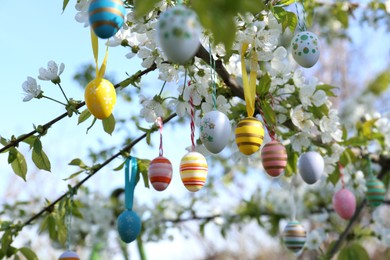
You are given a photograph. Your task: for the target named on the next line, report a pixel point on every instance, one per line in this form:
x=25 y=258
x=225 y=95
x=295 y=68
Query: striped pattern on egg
x=160 y=173
x=375 y=191
x=249 y=135
x=274 y=158
x=294 y=236
x=193 y=171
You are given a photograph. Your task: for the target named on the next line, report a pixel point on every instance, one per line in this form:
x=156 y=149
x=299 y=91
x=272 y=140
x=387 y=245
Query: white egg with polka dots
x=305 y=49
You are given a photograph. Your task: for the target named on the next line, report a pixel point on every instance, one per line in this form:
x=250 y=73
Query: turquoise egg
x=129 y=226
x=106 y=17
x=375 y=192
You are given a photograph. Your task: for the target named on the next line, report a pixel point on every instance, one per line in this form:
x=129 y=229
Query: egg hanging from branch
x=294 y=236
x=249 y=135
x=100 y=98
x=160 y=173
x=375 y=191
x=193 y=171
x=305 y=49
x=311 y=166
x=128 y=225
x=178 y=32
x=344 y=203
x=215 y=130
x=274 y=158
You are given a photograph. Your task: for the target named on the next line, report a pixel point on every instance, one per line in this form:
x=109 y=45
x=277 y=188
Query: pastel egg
x=100 y=98
x=274 y=158
x=294 y=236
x=69 y=255
x=375 y=191
x=215 y=131
x=344 y=203
x=193 y=171
x=160 y=173
x=305 y=49
x=106 y=17
x=249 y=135
x=129 y=226
x=178 y=32
x=311 y=165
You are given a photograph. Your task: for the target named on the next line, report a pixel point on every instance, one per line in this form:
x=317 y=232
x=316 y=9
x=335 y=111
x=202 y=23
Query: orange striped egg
x=193 y=171
x=160 y=173
x=249 y=135
x=69 y=255
x=100 y=97
x=274 y=158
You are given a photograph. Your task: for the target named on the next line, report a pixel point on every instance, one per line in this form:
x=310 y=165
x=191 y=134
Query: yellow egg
x=100 y=97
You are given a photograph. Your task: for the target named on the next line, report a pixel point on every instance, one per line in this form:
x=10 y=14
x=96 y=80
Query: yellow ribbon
x=95 y=48
x=249 y=85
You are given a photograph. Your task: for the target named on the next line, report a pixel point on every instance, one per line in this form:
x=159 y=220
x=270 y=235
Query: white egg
x=215 y=131
x=178 y=32
x=311 y=165
x=305 y=49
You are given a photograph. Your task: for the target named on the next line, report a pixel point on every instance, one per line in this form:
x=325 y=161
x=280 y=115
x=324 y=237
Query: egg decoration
x=294 y=236
x=344 y=203
x=106 y=17
x=160 y=173
x=128 y=225
x=305 y=49
x=311 y=165
x=274 y=158
x=69 y=255
x=193 y=171
x=100 y=97
x=178 y=32
x=215 y=131
x=375 y=191
x=249 y=135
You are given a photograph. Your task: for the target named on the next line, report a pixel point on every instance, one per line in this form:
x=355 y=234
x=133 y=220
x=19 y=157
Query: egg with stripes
x=294 y=236
x=129 y=226
x=215 y=130
x=375 y=191
x=311 y=166
x=274 y=158
x=249 y=135
x=100 y=98
x=160 y=173
x=106 y=17
x=344 y=203
x=69 y=255
x=305 y=49
x=178 y=33
x=193 y=171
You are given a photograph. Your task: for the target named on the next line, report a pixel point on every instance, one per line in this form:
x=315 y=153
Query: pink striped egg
x=160 y=173
x=193 y=171
x=274 y=158
x=344 y=203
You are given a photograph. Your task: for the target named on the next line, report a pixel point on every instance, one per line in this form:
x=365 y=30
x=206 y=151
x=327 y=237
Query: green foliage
x=143 y=168
x=109 y=124
x=285 y=18
x=84 y=116
x=144 y=7
x=64 y=5
x=28 y=253
x=353 y=252
x=18 y=163
x=380 y=84
x=39 y=157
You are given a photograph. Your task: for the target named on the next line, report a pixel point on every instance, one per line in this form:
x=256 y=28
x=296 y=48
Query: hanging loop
x=130 y=181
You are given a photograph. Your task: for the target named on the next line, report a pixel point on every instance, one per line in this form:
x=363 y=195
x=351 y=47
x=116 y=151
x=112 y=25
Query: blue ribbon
x=130 y=183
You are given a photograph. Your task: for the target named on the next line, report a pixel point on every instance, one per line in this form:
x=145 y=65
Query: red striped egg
x=160 y=173
x=193 y=171
x=274 y=158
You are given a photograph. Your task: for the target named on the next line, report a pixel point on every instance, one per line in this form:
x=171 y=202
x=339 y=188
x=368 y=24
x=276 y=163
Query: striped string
x=160 y=126
x=301 y=23
x=341 y=175
x=212 y=72
x=192 y=124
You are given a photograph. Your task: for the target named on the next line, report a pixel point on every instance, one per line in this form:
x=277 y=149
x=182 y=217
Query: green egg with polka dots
x=305 y=49
x=178 y=33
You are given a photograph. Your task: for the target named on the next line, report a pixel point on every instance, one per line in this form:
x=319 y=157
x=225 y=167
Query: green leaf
x=268 y=113
x=78 y=162
x=28 y=253
x=334 y=177
x=109 y=124
x=292 y=161
x=84 y=116
x=347 y=157
x=19 y=165
x=51 y=226
x=30 y=140
x=143 y=168
x=262 y=88
x=353 y=252
x=6 y=240
x=12 y=154
x=367 y=126
x=120 y=167
x=144 y=7
x=39 y=157
x=380 y=84
x=73 y=175
x=64 y=4
x=286 y=19
x=285 y=2
x=328 y=89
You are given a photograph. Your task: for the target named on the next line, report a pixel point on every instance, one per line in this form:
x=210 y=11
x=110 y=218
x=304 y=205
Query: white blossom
x=309 y=95
x=330 y=127
x=52 y=72
x=151 y=109
x=315 y=238
x=300 y=141
x=222 y=104
x=32 y=89
x=194 y=90
x=82 y=15
x=302 y=120
x=181 y=107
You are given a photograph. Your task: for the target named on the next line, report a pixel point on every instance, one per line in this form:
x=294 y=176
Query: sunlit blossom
x=82 y=15
x=31 y=89
x=52 y=72
x=151 y=109
x=315 y=238
x=222 y=104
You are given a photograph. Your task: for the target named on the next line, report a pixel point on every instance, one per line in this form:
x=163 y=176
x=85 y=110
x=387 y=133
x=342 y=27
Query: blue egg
x=106 y=17
x=129 y=226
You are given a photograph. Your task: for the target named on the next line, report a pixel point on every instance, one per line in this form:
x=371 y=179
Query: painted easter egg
x=249 y=135
x=128 y=225
x=160 y=173
x=106 y=17
x=100 y=97
x=311 y=165
x=178 y=32
x=215 y=131
x=69 y=255
x=193 y=171
x=305 y=49
x=375 y=191
x=344 y=203
x=294 y=236
x=274 y=158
